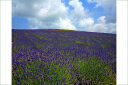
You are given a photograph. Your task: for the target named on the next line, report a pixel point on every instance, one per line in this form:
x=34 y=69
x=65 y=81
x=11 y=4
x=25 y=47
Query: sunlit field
x=60 y=57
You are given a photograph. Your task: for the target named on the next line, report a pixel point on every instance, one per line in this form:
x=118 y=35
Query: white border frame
x=5 y=52
x=122 y=43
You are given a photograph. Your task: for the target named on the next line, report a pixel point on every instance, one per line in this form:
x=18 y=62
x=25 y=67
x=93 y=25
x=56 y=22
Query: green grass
x=41 y=38
x=79 y=42
x=95 y=71
x=91 y=69
x=56 y=75
x=105 y=46
x=64 y=44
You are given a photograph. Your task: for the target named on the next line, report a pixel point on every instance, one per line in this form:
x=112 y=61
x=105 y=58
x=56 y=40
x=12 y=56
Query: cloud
x=109 y=7
x=102 y=19
x=79 y=15
x=78 y=12
x=102 y=26
x=86 y=22
x=49 y=14
x=66 y=24
x=81 y=18
x=103 y=3
x=43 y=13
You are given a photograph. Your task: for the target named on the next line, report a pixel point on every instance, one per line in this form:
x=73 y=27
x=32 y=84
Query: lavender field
x=53 y=57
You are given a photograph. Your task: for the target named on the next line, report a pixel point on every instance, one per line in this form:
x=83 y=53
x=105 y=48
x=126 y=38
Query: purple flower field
x=52 y=57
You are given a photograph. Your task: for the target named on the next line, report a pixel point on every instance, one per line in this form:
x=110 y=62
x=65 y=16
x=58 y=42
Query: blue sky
x=83 y=15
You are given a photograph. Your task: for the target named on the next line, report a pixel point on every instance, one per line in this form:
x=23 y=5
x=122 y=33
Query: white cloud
x=49 y=14
x=66 y=24
x=78 y=8
x=103 y=3
x=109 y=7
x=34 y=27
x=80 y=17
x=102 y=19
x=79 y=12
x=102 y=26
x=86 y=22
x=43 y=13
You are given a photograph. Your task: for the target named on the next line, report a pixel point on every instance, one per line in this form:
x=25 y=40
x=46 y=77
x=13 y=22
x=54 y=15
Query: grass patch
x=105 y=46
x=79 y=42
x=48 y=73
x=95 y=72
x=86 y=72
x=64 y=44
x=41 y=38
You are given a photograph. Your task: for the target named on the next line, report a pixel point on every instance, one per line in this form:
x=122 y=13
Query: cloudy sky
x=82 y=15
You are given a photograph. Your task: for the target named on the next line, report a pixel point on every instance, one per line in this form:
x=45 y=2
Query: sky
x=81 y=15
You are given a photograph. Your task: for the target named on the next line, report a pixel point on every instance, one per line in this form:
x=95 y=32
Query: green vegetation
x=63 y=58
x=41 y=38
x=48 y=73
x=64 y=44
x=91 y=70
x=96 y=72
x=79 y=42
x=104 y=45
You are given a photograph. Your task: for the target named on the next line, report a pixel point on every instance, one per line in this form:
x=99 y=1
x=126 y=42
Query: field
x=52 y=57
